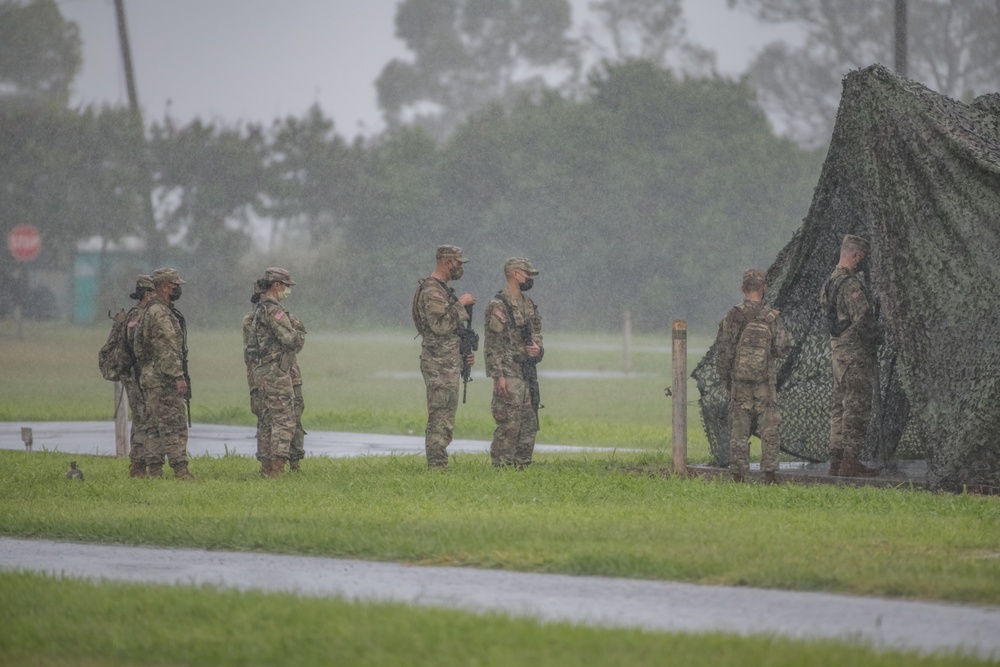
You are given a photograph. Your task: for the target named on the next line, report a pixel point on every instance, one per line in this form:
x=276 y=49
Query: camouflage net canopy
x=919 y=175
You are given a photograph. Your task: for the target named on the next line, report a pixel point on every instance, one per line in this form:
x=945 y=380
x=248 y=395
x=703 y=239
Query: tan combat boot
x=182 y=472
x=156 y=470
x=293 y=465
x=277 y=466
x=769 y=477
x=137 y=469
x=852 y=467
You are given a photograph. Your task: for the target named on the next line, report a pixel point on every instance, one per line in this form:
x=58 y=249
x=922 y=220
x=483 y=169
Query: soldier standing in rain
x=438 y=314
x=271 y=341
x=160 y=350
x=513 y=347
x=752 y=337
x=854 y=341
x=137 y=406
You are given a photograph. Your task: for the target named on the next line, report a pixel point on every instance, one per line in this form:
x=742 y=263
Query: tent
x=919 y=175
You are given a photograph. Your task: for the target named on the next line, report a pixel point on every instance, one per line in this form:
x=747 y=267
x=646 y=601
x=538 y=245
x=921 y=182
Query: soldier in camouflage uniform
x=161 y=352
x=271 y=341
x=136 y=405
x=513 y=346
x=853 y=344
x=752 y=338
x=438 y=314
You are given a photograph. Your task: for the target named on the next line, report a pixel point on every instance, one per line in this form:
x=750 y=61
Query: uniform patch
x=436 y=294
x=278 y=315
x=500 y=315
x=132 y=325
x=855 y=294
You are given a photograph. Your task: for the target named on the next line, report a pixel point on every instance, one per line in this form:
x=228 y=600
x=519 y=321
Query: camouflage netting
x=919 y=175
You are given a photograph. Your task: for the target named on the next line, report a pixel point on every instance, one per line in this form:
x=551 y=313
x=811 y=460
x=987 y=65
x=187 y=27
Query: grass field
x=617 y=515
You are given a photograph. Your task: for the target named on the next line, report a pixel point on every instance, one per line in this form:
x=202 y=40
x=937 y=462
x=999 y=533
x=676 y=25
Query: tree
x=39 y=50
x=954 y=48
x=313 y=177
x=650 y=30
x=468 y=53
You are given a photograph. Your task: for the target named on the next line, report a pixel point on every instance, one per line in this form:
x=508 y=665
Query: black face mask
x=527 y=284
x=176 y=293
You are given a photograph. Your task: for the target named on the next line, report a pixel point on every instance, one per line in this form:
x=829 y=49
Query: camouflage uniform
x=136 y=403
x=751 y=401
x=278 y=339
x=853 y=359
x=516 y=418
x=438 y=315
x=160 y=348
x=297 y=448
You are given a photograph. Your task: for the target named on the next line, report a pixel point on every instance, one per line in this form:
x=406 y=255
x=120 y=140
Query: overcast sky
x=257 y=60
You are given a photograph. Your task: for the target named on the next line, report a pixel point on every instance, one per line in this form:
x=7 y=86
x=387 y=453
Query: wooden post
x=679 y=363
x=627 y=345
x=27 y=438
x=121 y=420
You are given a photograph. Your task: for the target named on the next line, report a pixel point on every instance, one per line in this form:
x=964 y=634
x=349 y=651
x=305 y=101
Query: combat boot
x=182 y=472
x=852 y=467
x=293 y=465
x=836 y=456
x=738 y=476
x=277 y=466
x=156 y=470
x=265 y=467
x=137 y=469
x=769 y=477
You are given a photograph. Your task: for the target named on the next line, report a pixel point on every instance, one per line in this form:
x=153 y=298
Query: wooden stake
x=679 y=390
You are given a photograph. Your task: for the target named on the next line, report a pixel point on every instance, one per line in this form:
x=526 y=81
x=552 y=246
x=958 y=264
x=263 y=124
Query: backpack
x=115 y=359
x=753 y=350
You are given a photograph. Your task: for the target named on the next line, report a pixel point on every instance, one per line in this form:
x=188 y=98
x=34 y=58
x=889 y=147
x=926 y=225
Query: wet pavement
x=98 y=438
x=597 y=601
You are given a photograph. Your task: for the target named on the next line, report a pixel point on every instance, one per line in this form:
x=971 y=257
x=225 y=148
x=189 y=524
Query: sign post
x=24 y=243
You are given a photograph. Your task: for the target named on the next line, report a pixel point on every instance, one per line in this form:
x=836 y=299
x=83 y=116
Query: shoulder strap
x=508 y=308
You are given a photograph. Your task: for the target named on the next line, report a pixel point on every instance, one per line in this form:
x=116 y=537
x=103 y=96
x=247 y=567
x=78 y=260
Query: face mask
x=176 y=293
x=456 y=272
x=284 y=294
x=527 y=284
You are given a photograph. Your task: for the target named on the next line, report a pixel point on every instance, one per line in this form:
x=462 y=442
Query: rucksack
x=753 y=350
x=115 y=359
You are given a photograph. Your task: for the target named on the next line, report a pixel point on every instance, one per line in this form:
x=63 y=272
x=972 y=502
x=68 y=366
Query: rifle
x=184 y=360
x=529 y=370
x=468 y=343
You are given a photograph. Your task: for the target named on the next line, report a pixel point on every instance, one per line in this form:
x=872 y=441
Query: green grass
x=364 y=383
x=590 y=514
x=47 y=621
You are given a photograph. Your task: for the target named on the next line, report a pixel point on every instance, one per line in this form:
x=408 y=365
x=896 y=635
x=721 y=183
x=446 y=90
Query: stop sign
x=24 y=243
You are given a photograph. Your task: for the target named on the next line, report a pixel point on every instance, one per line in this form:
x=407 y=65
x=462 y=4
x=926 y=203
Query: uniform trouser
x=167 y=431
x=257 y=408
x=441 y=382
x=276 y=422
x=750 y=402
x=137 y=434
x=851 y=407
x=517 y=424
x=297 y=448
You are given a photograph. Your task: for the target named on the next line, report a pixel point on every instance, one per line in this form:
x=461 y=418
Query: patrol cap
x=522 y=263
x=753 y=278
x=451 y=251
x=143 y=282
x=859 y=243
x=166 y=276
x=278 y=275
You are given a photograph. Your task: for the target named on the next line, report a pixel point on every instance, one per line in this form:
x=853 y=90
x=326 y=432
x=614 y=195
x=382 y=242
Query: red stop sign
x=24 y=243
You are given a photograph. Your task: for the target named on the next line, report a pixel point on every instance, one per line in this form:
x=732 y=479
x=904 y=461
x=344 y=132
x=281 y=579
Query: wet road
x=651 y=605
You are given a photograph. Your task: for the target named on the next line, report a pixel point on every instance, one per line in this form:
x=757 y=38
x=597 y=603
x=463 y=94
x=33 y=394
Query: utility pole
x=901 y=37
x=152 y=239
